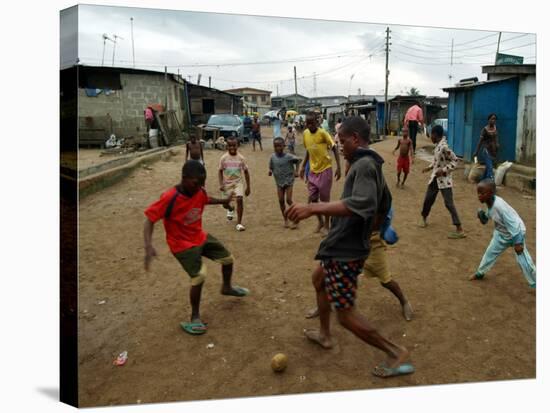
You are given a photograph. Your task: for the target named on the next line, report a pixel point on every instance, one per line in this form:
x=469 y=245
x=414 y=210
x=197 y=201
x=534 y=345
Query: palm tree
x=413 y=92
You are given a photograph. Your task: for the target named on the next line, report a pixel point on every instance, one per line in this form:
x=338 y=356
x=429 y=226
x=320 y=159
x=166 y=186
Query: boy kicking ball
x=364 y=204
x=509 y=232
x=181 y=209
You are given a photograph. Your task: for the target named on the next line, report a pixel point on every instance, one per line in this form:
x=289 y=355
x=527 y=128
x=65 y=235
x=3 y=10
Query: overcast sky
x=262 y=51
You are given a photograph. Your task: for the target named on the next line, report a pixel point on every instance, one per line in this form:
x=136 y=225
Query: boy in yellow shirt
x=318 y=143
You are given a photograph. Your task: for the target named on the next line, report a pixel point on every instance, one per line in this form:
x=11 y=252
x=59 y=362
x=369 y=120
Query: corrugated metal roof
x=472 y=85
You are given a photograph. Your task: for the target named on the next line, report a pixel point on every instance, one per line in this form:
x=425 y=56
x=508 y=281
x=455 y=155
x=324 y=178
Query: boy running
x=283 y=167
x=193 y=149
x=230 y=175
x=318 y=142
x=181 y=209
x=290 y=139
x=405 y=158
x=509 y=232
x=441 y=180
x=362 y=208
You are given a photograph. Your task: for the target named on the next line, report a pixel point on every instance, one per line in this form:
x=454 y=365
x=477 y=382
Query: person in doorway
x=414 y=119
x=487 y=147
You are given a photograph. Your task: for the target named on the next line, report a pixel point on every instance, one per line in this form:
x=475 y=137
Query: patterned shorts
x=341 y=282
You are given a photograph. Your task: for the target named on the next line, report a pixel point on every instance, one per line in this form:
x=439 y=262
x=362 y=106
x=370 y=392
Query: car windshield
x=228 y=120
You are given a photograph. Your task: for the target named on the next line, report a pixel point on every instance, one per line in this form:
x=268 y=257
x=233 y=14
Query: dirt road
x=462 y=332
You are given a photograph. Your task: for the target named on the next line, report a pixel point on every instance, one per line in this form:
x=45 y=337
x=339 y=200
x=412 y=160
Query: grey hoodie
x=368 y=197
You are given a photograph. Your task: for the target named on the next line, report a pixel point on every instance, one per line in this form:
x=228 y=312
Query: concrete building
x=290 y=101
x=254 y=100
x=113 y=100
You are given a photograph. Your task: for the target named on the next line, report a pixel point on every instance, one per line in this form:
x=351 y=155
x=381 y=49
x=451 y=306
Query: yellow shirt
x=318 y=145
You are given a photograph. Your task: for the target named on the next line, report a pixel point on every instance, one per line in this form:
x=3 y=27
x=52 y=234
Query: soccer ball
x=279 y=362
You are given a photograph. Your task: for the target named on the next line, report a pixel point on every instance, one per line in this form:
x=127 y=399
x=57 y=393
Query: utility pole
x=314 y=84
x=133 y=51
x=295 y=90
x=386 y=117
x=105 y=38
x=498 y=46
x=277 y=89
x=115 y=37
x=452 y=54
x=166 y=88
x=209 y=81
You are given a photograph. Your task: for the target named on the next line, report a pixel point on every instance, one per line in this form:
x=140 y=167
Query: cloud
x=419 y=56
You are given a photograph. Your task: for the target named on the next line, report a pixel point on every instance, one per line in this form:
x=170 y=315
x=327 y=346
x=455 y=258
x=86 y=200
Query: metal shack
x=470 y=103
x=204 y=101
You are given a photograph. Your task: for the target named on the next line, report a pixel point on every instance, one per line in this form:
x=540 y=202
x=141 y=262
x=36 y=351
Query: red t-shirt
x=184 y=225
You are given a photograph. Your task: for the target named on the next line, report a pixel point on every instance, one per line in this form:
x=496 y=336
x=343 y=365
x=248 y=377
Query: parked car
x=443 y=122
x=229 y=125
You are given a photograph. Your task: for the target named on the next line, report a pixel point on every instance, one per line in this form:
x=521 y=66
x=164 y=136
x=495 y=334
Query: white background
x=30 y=205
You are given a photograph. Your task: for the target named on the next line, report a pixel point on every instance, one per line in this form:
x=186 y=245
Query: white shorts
x=237 y=188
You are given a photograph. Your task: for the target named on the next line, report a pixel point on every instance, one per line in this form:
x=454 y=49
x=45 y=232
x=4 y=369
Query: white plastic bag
x=501 y=171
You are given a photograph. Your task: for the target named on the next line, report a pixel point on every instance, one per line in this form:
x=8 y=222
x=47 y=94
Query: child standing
x=181 y=209
x=441 y=180
x=363 y=206
x=284 y=168
x=290 y=139
x=509 y=232
x=193 y=149
x=405 y=158
x=230 y=175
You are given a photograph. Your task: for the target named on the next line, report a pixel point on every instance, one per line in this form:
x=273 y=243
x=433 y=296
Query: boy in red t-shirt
x=181 y=209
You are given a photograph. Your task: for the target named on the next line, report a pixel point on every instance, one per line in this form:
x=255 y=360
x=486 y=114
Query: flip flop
x=195 y=329
x=238 y=291
x=402 y=369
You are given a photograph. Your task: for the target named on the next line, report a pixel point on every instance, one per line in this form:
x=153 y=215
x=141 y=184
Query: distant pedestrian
x=405 y=158
x=193 y=149
x=441 y=180
x=487 y=147
x=256 y=134
x=414 y=119
x=290 y=140
x=509 y=232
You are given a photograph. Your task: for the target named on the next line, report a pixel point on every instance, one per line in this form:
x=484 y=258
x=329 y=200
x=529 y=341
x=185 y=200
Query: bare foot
x=407 y=311
x=324 y=232
x=314 y=312
x=319 y=227
x=315 y=336
x=294 y=225
x=286 y=223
